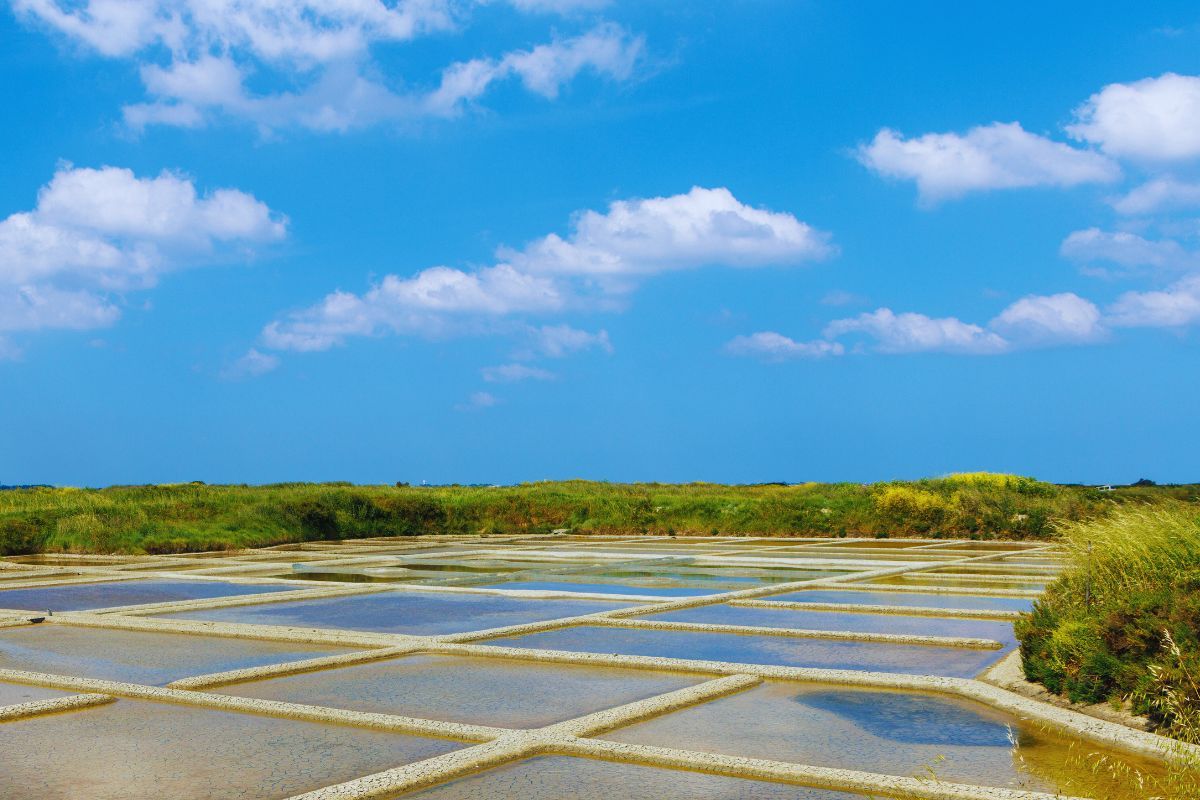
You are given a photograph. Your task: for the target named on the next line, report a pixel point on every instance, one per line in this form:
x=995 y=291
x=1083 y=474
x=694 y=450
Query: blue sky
x=445 y=240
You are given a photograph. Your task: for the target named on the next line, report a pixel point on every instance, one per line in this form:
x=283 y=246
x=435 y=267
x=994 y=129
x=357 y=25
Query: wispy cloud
x=772 y=346
x=478 y=401
x=511 y=373
x=198 y=59
x=251 y=365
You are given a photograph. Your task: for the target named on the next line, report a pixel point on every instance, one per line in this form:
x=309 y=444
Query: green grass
x=191 y=517
x=1123 y=622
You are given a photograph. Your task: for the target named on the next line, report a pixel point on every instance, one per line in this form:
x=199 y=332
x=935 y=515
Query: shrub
x=916 y=509
x=1125 y=615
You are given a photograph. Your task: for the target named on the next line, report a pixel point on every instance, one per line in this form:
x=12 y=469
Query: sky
x=494 y=241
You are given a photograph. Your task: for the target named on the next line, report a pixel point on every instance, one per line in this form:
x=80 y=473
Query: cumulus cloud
x=914 y=333
x=996 y=156
x=1124 y=249
x=1176 y=306
x=1063 y=318
x=772 y=346
x=115 y=229
x=511 y=373
x=1154 y=119
x=604 y=255
x=425 y=304
x=95 y=231
x=1031 y=322
x=164 y=209
x=647 y=236
x=196 y=57
x=1159 y=194
x=251 y=365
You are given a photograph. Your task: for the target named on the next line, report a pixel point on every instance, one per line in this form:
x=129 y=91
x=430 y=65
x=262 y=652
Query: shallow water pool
x=509 y=694
x=85 y=596
x=758 y=649
x=422 y=613
x=139 y=749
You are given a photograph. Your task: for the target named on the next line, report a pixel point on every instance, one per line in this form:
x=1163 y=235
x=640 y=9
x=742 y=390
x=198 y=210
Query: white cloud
x=164 y=209
x=42 y=307
x=915 y=333
x=1124 y=249
x=251 y=365
x=773 y=346
x=99 y=230
x=478 y=401
x=684 y=231
x=196 y=57
x=1063 y=318
x=424 y=304
x=1176 y=306
x=296 y=30
x=554 y=275
x=996 y=156
x=606 y=50
x=1033 y=321
x=1154 y=119
x=112 y=228
x=341 y=98
x=511 y=373
x=1158 y=194
x=558 y=341
x=557 y=6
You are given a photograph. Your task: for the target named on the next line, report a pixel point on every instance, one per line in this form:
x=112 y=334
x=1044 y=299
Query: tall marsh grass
x=1122 y=624
x=1135 y=549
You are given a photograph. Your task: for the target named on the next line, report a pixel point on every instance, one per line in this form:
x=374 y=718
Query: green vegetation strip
x=195 y=517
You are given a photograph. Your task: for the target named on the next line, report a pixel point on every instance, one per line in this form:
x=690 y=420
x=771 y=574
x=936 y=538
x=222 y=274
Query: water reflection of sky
x=911 y=719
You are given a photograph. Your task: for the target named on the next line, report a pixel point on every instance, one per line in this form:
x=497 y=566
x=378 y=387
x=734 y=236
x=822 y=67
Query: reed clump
x=1122 y=623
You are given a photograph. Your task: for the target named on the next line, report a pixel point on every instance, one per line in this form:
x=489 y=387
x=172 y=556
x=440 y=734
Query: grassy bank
x=1123 y=623
x=188 y=517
